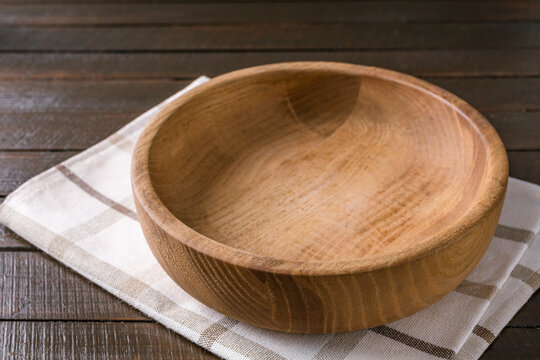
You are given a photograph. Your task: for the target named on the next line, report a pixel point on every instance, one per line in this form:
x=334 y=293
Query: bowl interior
x=317 y=165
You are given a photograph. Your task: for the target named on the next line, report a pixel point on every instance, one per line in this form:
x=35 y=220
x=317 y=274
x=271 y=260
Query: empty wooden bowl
x=318 y=197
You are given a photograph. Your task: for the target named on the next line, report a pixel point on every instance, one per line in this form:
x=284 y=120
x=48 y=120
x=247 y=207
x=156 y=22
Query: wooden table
x=72 y=73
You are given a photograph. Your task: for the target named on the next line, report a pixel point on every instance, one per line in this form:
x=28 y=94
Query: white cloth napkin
x=82 y=213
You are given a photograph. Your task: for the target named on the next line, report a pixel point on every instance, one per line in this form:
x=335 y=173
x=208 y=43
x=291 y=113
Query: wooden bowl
x=318 y=197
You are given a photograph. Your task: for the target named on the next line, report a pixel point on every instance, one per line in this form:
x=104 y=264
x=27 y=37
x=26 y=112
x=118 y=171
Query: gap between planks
x=94 y=66
x=242 y=13
x=338 y=36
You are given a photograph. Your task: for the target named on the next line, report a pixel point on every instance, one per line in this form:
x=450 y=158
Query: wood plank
x=519 y=130
x=90 y=97
x=17 y=167
x=284 y=36
x=491 y=95
x=427 y=63
x=58 y=131
x=514 y=343
x=35 y=286
x=369 y=11
x=529 y=315
x=107 y=340
x=94 y=340
x=525 y=165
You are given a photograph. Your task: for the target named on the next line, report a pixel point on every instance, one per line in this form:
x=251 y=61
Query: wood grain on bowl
x=318 y=197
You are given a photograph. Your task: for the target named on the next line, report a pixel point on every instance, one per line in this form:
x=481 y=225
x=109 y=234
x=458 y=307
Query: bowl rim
x=489 y=197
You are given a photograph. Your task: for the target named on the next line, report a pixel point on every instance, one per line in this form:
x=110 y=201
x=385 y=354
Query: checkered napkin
x=82 y=213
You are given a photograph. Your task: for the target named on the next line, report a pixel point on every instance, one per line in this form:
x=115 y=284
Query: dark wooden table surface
x=72 y=72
